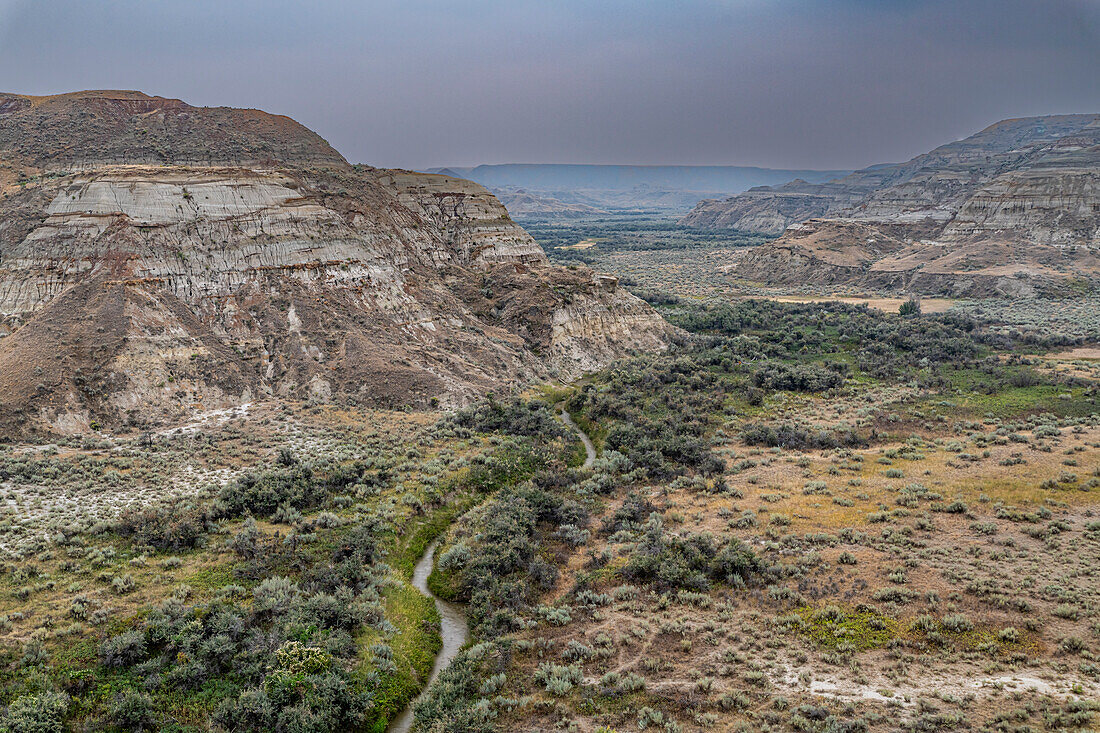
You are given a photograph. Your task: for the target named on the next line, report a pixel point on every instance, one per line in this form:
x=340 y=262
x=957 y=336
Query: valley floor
x=662 y=262
x=805 y=516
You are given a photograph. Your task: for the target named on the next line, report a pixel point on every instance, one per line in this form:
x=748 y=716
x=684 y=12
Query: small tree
x=910 y=307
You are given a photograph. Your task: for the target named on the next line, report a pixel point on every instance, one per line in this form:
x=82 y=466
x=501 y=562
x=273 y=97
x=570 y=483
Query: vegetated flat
x=888 y=305
x=659 y=259
x=648 y=253
x=806 y=516
x=819 y=517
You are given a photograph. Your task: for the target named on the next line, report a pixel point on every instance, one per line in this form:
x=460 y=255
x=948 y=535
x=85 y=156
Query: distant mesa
x=569 y=191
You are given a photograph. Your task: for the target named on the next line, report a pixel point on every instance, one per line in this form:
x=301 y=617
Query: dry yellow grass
x=583 y=244
x=887 y=305
x=1081 y=352
x=691 y=654
x=941 y=471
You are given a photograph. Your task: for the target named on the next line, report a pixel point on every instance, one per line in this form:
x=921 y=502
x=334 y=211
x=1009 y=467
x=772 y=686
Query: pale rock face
x=589 y=333
x=1051 y=207
x=758 y=212
x=1013 y=209
x=164 y=200
x=200 y=233
x=475 y=223
x=228 y=285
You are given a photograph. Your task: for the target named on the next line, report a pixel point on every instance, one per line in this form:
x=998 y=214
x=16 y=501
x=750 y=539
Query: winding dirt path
x=589 y=448
x=455 y=631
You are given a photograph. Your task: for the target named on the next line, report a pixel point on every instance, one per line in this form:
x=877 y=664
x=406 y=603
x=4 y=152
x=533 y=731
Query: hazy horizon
x=632 y=165
x=790 y=84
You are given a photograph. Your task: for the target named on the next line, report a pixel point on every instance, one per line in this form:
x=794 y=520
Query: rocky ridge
x=141 y=285
x=1012 y=210
x=527 y=205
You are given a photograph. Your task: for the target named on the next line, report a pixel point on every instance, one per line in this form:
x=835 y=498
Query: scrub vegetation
x=809 y=517
x=278 y=600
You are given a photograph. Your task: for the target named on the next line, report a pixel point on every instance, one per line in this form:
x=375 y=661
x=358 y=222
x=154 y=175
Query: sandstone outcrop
x=1013 y=209
x=762 y=210
x=146 y=276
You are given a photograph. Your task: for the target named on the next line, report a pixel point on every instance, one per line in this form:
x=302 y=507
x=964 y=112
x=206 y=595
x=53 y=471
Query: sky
x=418 y=83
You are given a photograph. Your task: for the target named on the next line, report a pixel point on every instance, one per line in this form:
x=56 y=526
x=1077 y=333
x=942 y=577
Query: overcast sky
x=418 y=83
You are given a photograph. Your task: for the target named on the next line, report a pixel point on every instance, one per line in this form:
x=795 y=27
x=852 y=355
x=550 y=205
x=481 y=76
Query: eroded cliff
x=1014 y=209
x=140 y=294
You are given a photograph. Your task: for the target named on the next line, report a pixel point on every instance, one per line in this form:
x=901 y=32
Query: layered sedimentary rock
x=527 y=205
x=762 y=210
x=1013 y=209
x=262 y=266
x=941 y=177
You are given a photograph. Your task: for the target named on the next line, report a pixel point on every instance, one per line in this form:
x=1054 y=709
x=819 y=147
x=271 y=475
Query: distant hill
x=731 y=178
x=1013 y=209
x=522 y=204
x=619 y=188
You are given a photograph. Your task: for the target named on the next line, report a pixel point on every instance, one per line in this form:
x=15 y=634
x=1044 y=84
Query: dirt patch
x=886 y=305
x=1081 y=352
x=583 y=244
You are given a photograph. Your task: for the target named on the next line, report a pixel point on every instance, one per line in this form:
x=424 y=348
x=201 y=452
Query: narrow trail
x=454 y=629
x=589 y=448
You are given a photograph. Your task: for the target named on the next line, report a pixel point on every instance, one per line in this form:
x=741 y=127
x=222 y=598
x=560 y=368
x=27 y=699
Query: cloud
x=831 y=83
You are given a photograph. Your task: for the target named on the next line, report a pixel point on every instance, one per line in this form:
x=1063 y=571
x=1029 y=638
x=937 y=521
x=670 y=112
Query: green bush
x=123 y=650
x=513 y=417
x=44 y=713
x=957 y=623
x=787 y=435
x=178 y=526
x=132 y=711
x=692 y=562
x=449 y=705
x=800 y=377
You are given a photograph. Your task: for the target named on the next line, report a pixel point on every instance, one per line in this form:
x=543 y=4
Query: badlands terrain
x=158 y=260
x=1013 y=210
x=567 y=192
x=255 y=401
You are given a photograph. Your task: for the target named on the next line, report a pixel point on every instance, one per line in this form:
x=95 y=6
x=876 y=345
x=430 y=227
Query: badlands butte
x=158 y=258
x=1013 y=210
